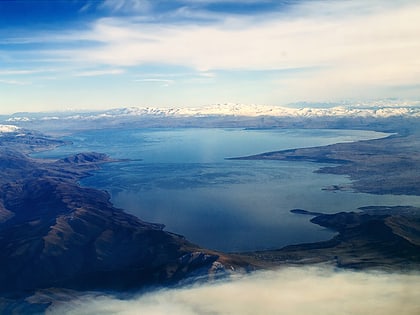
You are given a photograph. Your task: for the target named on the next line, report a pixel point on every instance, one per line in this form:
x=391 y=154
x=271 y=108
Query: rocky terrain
x=54 y=233
x=386 y=238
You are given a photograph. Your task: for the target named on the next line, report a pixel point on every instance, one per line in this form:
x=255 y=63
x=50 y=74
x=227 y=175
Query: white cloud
x=315 y=40
x=344 y=52
x=94 y=73
x=289 y=291
x=164 y=82
x=329 y=51
x=14 y=82
x=126 y=6
x=23 y=71
x=224 y=1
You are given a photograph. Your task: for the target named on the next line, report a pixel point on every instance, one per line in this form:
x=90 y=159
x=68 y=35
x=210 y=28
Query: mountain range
x=378 y=109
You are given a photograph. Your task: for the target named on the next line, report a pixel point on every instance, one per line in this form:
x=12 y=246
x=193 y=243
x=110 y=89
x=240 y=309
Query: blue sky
x=74 y=54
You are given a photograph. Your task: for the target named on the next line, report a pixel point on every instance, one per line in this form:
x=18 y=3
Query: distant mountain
x=379 y=116
x=8 y=129
x=378 y=109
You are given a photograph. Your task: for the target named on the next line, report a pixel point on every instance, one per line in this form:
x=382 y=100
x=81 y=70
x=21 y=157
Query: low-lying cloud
x=288 y=291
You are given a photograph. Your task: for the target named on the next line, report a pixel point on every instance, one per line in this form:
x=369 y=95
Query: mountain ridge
x=375 y=110
x=55 y=233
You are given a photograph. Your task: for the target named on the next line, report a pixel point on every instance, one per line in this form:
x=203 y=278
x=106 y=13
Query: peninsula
x=380 y=237
x=388 y=165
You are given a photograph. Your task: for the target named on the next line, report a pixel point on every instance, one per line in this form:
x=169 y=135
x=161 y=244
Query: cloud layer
x=317 y=50
x=382 y=39
x=339 y=51
x=289 y=291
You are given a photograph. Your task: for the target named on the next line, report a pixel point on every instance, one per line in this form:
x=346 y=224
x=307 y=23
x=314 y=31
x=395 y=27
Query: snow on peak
x=372 y=109
x=18 y=119
x=8 y=128
x=229 y=109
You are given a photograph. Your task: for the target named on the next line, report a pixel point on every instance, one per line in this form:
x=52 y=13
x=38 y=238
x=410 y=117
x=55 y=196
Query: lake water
x=180 y=177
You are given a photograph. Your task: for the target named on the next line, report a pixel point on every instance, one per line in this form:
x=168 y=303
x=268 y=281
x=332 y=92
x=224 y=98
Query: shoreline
x=389 y=165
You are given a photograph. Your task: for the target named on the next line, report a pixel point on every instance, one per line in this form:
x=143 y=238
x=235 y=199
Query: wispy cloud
x=7 y=72
x=17 y=72
x=94 y=73
x=376 y=47
x=164 y=82
x=290 y=291
x=14 y=82
x=226 y=1
x=126 y=6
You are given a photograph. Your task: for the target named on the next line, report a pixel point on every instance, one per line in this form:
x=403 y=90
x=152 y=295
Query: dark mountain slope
x=56 y=233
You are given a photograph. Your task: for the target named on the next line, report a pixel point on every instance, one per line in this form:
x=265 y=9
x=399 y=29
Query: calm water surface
x=180 y=177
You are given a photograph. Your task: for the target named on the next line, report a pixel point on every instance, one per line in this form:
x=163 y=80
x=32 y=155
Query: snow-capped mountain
x=8 y=128
x=377 y=109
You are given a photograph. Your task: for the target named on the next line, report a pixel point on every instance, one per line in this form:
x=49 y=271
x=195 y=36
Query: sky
x=92 y=54
x=288 y=291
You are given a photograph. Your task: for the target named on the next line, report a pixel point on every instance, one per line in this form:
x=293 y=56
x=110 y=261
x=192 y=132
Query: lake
x=181 y=178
